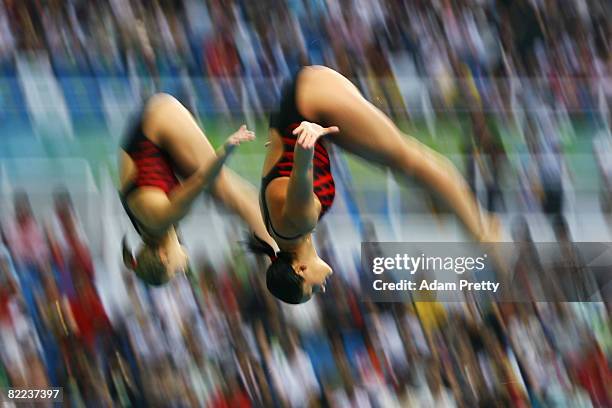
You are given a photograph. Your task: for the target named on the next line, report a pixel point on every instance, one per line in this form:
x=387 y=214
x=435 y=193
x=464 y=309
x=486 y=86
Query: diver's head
x=295 y=280
x=156 y=265
x=296 y=274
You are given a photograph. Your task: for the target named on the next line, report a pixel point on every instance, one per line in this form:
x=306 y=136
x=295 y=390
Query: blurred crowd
x=216 y=337
x=465 y=50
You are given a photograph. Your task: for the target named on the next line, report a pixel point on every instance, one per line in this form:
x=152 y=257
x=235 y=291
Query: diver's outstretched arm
x=159 y=212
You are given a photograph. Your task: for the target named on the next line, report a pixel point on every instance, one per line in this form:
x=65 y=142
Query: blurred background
x=515 y=92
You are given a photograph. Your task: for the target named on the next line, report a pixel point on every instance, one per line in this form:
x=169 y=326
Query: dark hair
x=281 y=279
x=147 y=265
x=150 y=268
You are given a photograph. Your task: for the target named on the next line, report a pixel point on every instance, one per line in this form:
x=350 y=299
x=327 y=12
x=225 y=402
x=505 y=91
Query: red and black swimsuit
x=154 y=167
x=285 y=120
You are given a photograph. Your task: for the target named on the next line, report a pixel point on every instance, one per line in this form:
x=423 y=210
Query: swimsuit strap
x=267 y=219
x=123 y=196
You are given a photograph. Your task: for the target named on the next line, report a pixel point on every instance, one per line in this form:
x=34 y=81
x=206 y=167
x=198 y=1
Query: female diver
x=298 y=188
x=165 y=145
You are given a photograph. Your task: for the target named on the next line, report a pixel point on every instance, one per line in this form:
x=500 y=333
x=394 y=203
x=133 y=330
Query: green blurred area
x=95 y=143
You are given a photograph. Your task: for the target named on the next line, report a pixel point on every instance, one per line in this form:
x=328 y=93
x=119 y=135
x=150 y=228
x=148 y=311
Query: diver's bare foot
x=492 y=230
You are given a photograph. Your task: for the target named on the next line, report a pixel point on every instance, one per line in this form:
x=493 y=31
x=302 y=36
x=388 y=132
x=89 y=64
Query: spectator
x=24 y=236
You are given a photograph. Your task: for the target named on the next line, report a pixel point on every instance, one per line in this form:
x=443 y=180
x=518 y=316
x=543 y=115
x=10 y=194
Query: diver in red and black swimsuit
x=154 y=168
x=165 y=163
x=317 y=106
x=323 y=181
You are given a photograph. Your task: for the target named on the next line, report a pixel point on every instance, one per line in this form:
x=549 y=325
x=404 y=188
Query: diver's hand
x=241 y=135
x=308 y=133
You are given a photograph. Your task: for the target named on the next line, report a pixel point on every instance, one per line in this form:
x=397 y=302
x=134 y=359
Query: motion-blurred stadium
x=516 y=92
